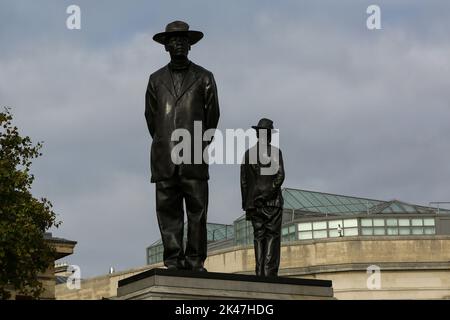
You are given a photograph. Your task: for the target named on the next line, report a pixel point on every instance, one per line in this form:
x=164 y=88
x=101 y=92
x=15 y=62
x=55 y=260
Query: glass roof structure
x=396 y=206
x=306 y=202
x=326 y=203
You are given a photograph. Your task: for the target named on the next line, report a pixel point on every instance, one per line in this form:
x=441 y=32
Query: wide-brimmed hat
x=178 y=27
x=264 y=123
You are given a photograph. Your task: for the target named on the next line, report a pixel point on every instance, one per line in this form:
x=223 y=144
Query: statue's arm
x=278 y=181
x=150 y=107
x=211 y=104
x=243 y=183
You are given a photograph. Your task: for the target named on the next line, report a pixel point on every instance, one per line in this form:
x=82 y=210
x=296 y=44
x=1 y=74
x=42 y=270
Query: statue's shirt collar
x=178 y=66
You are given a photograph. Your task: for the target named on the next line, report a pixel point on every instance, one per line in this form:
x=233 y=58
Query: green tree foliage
x=24 y=253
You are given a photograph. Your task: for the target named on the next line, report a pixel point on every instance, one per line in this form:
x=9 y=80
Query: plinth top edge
x=223 y=276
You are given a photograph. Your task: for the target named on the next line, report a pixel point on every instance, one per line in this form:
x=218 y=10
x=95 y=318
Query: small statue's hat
x=264 y=123
x=178 y=27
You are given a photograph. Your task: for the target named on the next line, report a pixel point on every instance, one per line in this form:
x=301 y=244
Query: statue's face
x=264 y=135
x=178 y=46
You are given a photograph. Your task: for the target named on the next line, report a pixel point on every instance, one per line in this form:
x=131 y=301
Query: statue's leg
x=169 y=210
x=196 y=197
x=259 y=242
x=273 y=240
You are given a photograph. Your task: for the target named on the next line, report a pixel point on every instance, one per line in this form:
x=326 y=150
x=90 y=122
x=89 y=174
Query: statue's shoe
x=172 y=267
x=199 y=269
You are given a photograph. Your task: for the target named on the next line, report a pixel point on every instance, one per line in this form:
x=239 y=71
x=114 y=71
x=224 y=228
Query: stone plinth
x=175 y=284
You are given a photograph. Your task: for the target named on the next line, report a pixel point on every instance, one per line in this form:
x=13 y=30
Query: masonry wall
x=96 y=288
x=412 y=267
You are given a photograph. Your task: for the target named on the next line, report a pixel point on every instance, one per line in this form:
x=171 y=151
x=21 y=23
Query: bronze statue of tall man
x=177 y=95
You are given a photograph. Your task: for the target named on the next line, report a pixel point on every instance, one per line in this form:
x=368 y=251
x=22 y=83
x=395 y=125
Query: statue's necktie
x=178 y=73
x=178 y=76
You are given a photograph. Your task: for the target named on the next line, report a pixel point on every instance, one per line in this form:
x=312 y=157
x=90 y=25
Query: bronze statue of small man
x=262 y=199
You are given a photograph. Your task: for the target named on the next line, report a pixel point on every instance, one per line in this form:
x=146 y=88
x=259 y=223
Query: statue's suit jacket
x=166 y=111
x=255 y=185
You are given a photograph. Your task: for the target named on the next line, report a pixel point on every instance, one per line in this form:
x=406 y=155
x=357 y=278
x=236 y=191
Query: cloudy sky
x=360 y=112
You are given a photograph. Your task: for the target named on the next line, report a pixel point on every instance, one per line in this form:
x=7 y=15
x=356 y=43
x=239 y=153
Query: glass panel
x=293 y=201
x=403 y=222
x=388 y=210
x=292 y=228
x=323 y=198
x=334 y=200
x=319 y=225
x=333 y=233
x=320 y=234
x=304 y=226
x=396 y=208
x=312 y=200
x=367 y=231
x=391 y=222
x=333 y=224
x=378 y=222
x=305 y=202
x=348 y=223
x=351 y=232
x=355 y=208
x=344 y=200
x=344 y=208
x=284 y=231
x=392 y=231
x=305 y=235
x=429 y=230
x=360 y=208
x=416 y=222
x=405 y=231
x=410 y=209
x=417 y=230
x=378 y=231
x=325 y=209
x=366 y=222
x=428 y=222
